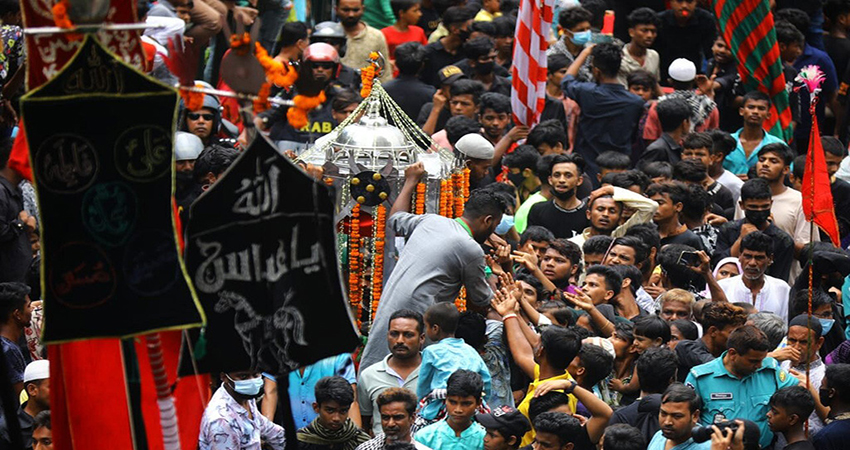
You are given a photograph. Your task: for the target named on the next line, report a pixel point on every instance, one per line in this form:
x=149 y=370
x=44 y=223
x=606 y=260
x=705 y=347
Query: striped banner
x=747 y=27
x=528 y=71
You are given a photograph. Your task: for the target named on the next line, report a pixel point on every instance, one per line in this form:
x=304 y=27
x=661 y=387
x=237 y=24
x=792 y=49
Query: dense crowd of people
x=637 y=267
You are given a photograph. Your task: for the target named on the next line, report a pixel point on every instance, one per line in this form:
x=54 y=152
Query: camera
x=703 y=433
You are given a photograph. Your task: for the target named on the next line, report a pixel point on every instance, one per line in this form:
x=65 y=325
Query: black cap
x=450 y=74
x=508 y=421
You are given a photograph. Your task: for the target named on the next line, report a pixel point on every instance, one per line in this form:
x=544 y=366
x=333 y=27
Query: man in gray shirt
x=441 y=256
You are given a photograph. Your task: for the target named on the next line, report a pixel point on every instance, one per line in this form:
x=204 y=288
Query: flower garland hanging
x=460 y=301
x=378 y=256
x=355 y=295
x=281 y=74
x=457 y=187
x=297 y=115
x=420 y=199
x=450 y=199
x=368 y=74
x=444 y=196
x=61 y=19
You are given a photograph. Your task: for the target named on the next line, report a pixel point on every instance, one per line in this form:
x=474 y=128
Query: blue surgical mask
x=505 y=225
x=249 y=388
x=826 y=324
x=581 y=37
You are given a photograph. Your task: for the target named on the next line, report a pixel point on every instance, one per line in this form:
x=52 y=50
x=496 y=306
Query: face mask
x=564 y=195
x=484 y=68
x=248 y=388
x=581 y=37
x=824 y=397
x=505 y=225
x=757 y=218
x=516 y=178
x=826 y=324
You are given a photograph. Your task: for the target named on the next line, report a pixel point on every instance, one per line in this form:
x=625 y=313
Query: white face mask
x=505 y=225
x=249 y=388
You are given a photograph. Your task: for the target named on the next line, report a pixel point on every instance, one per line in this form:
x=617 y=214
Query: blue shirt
x=726 y=397
x=302 y=392
x=439 y=361
x=440 y=435
x=659 y=441
x=738 y=162
x=833 y=436
x=609 y=119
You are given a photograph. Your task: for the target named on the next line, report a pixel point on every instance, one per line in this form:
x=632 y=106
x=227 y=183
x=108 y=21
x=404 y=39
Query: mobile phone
x=687 y=258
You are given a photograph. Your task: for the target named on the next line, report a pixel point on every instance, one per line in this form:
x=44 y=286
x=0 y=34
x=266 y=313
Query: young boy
x=674 y=117
x=407 y=14
x=457 y=431
x=698 y=146
x=670 y=197
x=594 y=249
x=505 y=428
x=649 y=332
x=445 y=356
x=638 y=54
x=42 y=436
x=332 y=428
x=612 y=162
x=789 y=408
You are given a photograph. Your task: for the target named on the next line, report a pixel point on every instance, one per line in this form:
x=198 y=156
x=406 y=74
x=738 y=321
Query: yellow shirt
x=523 y=406
x=484 y=16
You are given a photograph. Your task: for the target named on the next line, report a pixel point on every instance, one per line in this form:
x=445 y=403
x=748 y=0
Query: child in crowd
x=789 y=409
x=407 y=13
x=457 y=431
x=444 y=357
x=332 y=428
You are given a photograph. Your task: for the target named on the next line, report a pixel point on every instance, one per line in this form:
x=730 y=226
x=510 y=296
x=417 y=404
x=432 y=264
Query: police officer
x=738 y=384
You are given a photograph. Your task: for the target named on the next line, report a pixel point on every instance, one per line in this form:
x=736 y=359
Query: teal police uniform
x=726 y=397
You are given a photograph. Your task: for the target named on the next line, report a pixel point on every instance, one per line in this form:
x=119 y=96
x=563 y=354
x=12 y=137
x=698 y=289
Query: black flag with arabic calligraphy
x=261 y=252
x=100 y=137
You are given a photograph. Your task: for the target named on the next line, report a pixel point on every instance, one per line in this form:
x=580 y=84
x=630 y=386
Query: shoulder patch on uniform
x=782 y=375
x=690 y=385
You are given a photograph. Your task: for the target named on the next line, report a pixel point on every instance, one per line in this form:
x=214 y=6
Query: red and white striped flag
x=528 y=71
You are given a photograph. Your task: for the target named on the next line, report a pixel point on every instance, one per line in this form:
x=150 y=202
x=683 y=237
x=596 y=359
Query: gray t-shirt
x=439 y=257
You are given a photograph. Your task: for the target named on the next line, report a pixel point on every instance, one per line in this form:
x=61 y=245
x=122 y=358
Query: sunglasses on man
x=196 y=116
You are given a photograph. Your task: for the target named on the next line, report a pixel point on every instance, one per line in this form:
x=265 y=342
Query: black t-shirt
x=686 y=238
x=436 y=57
x=721 y=195
x=692 y=41
x=800 y=445
x=838 y=50
x=561 y=222
x=429 y=20
x=410 y=94
x=444 y=116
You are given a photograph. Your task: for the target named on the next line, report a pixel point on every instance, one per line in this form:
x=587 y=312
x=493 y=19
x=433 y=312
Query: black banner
x=100 y=136
x=261 y=252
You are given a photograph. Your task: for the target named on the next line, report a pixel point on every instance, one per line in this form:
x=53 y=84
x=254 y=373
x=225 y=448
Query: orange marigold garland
x=444 y=196
x=460 y=301
x=297 y=115
x=279 y=73
x=261 y=103
x=355 y=295
x=61 y=19
x=457 y=188
x=378 y=256
x=368 y=74
x=240 y=42
x=450 y=199
x=420 y=198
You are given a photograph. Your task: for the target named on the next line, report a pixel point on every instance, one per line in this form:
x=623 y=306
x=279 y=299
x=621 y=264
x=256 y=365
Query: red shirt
x=395 y=38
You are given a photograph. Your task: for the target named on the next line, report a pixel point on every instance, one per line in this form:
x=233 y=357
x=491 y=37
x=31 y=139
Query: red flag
x=817 y=194
x=528 y=71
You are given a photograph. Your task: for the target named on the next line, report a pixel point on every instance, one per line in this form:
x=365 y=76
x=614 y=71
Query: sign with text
x=100 y=137
x=48 y=53
x=261 y=251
